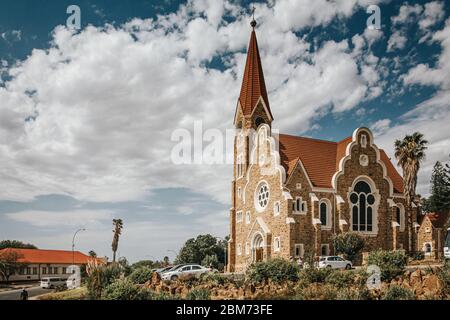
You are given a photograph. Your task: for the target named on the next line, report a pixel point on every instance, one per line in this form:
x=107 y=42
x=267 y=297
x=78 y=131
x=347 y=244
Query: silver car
x=334 y=262
x=195 y=270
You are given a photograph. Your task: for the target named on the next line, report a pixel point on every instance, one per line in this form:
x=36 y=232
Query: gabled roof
x=253 y=85
x=321 y=159
x=439 y=219
x=49 y=256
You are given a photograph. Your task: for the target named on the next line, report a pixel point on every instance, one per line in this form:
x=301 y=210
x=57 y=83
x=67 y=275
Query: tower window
x=362 y=203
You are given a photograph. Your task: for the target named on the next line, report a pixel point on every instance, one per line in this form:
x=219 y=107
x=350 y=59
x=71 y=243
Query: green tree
x=16 y=245
x=92 y=254
x=440 y=189
x=118 y=226
x=211 y=261
x=195 y=250
x=410 y=152
x=349 y=244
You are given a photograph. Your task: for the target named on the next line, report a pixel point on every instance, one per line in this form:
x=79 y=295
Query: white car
x=185 y=270
x=334 y=262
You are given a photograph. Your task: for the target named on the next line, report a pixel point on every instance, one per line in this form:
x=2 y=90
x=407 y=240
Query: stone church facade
x=291 y=195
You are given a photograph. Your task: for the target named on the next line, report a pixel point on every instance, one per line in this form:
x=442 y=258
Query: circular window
x=354 y=198
x=262 y=196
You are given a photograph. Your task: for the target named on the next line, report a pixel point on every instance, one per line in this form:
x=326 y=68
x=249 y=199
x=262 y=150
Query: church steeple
x=253 y=85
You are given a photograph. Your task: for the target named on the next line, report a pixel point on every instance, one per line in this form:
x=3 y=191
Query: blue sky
x=86 y=116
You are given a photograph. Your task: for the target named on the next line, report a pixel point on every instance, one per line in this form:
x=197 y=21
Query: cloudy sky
x=87 y=116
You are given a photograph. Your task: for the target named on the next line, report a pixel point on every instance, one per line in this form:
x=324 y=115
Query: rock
x=416 y=277
x=431 y=285
x=156 y=278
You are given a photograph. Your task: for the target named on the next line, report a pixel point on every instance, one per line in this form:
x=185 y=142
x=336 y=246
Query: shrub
x=276 y=270
x=349 y=244
x=313 y=275
x=141 y=275
x=216 y=279
x=199 y=294
x=398 y=293
x=99 y=277
x=444 y=276
x=418 y=255
x=341 y=279
x=123 y=289
x=317 y=292
x=391 y=263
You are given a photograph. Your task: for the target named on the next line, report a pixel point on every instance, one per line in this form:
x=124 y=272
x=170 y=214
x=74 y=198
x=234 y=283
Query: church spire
x=253 y=85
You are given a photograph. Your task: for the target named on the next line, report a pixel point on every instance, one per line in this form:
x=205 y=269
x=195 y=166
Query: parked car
x=160 y=271
x=185 y=270
x=50 y=283
x=334 y=262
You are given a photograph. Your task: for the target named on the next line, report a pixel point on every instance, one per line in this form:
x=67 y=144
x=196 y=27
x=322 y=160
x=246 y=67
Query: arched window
x=362 y=207
x=324 y=214
x=398 y=215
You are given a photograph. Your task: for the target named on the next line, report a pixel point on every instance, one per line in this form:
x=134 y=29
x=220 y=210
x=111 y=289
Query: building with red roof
x=37 y=263
x=432 y=233
x=292 y=195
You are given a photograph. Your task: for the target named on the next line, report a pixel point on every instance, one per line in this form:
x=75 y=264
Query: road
x=15 y=294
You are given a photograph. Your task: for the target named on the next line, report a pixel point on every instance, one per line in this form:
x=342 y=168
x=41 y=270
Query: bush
x=216 y=279
x=313 y=275
x=122 y=289
x=444 y=276
x=99 y=277
x=199 y=294
x=418 y=255
x=398 y=293
x=276 y=270
x=317 y=292
x=391 y=263
x=341 y=279
x=349 y=244
x=141 y=275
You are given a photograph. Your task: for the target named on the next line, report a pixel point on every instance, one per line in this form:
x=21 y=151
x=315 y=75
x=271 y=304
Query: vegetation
x=398 y=293
x=199 y=294
x=440 y=189
x=125 y=289
x=141 y=275
x=99 y=277
x=349 y=244
x=92 y=254
x=9 y=264
x=391 y=263
x=76 y=294
x=118 y=226
x=198 y=249
x=16 y=245
x=275 y=270
x=410 y=152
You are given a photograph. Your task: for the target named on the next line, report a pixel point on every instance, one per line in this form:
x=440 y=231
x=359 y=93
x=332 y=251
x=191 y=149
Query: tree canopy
x=440 y=189
x=16 y=245
x=195 y=250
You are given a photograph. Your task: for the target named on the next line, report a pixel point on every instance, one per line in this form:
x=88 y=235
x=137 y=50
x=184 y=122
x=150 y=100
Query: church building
x=291 y=195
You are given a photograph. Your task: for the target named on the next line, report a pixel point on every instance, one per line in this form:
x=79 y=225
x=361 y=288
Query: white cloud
x=380 y=126
x=77 y=218
x=396 y=41
x=407 y=13
x=101 y=106
x=433 y=13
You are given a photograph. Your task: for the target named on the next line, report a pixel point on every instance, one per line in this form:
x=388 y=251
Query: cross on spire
x=253 y=23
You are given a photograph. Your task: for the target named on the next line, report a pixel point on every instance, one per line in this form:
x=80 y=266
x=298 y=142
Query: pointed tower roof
x=253 y=85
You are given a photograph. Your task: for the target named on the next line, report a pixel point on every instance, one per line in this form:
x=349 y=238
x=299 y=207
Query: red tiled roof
x=49 y=256
x=253 y=84
x=321 y=159
x=439 y=219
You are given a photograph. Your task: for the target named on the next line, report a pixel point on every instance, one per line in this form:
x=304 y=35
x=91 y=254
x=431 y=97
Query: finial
x=253 y=23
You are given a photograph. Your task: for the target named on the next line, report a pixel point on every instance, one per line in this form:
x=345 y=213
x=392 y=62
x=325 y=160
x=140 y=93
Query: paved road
x=15 y=294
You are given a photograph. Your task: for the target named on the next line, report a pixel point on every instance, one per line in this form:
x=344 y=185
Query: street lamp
x=73 y=245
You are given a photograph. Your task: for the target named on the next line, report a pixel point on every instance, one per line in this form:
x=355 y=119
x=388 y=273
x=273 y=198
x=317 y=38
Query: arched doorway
x=258 y=248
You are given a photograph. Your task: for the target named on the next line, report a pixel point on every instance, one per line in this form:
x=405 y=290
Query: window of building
x=239 y=217
x=299 y=250
x=259 y=121
x=247 y=248
x=28 y=270
x=325 y=250
x=363 y=140
x=276 y=208
x=299 y=206
x=276 y=244
x=262 y=196
x=239 y=249
x=298 y=186
x=64 y=270
x=362 y=203
x=44 y=270
x=35 y=270
x=239 y=193
x=400 y=216
x=240 y=166
x=247 y=217
x=325 y=216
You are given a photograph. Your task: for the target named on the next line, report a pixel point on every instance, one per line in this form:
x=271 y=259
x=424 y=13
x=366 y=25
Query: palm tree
x=118 y=225
x=410 y=152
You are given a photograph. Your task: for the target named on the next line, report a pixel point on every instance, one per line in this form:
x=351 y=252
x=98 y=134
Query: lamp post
x=73 y=245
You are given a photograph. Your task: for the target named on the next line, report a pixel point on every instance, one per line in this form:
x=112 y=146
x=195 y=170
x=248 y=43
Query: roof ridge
x=308 y=138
